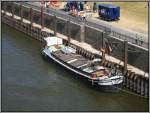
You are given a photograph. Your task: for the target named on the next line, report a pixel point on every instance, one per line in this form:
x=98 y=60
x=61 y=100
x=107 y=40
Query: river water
x=31 y=83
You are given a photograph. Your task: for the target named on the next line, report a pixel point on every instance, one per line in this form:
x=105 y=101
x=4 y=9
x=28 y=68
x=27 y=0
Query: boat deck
x=75 y=60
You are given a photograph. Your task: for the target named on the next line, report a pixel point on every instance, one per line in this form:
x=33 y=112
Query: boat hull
x=103 y=86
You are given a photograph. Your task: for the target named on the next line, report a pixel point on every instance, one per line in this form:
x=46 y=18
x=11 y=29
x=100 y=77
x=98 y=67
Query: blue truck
x=109 y=12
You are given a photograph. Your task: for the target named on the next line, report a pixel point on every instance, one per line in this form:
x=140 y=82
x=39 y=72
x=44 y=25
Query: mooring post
x=31 y=16
x=125 y=55
x=82 y=32
x=103 y=52
x=68 y=31
x=55 y=24
x=12 y=10
x=21 y=18
x=42 y=16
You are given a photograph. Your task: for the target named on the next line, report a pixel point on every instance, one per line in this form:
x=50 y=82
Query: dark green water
x=30 y=83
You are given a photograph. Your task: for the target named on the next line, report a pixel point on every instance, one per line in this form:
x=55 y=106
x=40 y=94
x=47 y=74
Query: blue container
x=109 y=12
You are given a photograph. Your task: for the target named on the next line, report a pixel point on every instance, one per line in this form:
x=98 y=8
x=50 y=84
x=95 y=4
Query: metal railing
x=114 y=31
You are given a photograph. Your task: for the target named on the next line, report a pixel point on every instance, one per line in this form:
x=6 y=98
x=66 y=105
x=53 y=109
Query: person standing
x=141 y=40
x=94 y=7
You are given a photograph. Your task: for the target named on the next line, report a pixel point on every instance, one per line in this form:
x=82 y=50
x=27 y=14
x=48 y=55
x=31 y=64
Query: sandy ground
x=133 y=15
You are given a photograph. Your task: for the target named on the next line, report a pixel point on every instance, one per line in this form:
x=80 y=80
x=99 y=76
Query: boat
x=91 y=69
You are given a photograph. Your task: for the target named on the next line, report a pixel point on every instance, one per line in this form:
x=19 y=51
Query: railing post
x=12 y=10
x=31 y=16
x=55 y=25
x=68 y=30
x=125 y=55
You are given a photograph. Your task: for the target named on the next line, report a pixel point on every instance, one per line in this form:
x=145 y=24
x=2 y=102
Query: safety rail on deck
x=88 y=22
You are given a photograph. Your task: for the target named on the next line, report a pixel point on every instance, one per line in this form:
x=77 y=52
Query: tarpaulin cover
x=53 y=41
